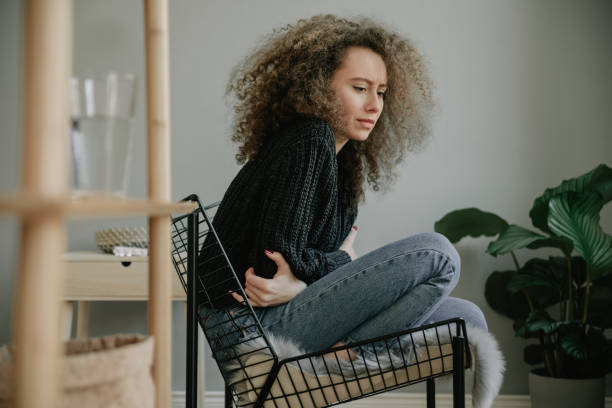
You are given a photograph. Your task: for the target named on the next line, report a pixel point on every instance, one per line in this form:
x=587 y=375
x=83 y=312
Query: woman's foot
x=342 y=354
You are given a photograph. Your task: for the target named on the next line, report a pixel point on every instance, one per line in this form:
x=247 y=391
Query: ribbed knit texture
x=285 y=200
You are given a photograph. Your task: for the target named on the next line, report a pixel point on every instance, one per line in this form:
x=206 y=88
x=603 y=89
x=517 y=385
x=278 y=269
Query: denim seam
x=351 y=340
x=360 y=271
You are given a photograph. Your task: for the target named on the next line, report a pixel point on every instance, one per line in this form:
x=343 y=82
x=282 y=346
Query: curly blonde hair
x=289 y=75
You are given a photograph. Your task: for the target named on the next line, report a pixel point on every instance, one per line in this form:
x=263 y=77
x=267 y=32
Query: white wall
x=524 y=97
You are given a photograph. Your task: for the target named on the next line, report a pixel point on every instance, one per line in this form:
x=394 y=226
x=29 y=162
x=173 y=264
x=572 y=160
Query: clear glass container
x=102 y=116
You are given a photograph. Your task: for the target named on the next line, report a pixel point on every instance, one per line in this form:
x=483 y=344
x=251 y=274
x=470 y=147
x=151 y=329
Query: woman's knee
x=452 y=307
x=473 y=315
x=439 y=243
x=469 y=312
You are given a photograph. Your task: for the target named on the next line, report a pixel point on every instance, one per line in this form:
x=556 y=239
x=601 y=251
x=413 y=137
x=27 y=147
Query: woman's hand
x=263 y=292
x=347 y=245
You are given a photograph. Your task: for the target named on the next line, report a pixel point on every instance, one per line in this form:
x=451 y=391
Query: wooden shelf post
x=36 y=329
x=43 y=202
x=158 y=170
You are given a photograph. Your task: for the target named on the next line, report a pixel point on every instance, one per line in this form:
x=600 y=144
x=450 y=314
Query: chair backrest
x=196 y=247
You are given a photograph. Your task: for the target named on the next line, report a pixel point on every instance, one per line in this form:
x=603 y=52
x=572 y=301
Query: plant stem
x=529 y=302
x=587 y=293
x=547 y=362
x=569 y=310
x=518 y=268
x=558 y=369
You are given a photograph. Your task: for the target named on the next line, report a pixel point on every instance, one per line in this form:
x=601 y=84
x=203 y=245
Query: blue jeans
x=401 y=285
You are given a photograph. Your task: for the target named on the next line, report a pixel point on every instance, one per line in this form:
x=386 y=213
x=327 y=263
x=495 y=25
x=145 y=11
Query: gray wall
x=524 y=97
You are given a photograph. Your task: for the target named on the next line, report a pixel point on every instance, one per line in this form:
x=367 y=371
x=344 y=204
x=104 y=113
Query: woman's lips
x=366 y=123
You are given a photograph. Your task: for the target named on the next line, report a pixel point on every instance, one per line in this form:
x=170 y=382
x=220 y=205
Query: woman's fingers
x=254 y=297
x=255 y=289
x=279 y=289
x=277 y=257
x=237 y=297
x=282 y=266
x=353 y=233
x=256 y=281
x=350 y=238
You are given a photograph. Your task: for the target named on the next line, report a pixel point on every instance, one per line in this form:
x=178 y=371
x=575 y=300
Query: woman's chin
x=360 y=137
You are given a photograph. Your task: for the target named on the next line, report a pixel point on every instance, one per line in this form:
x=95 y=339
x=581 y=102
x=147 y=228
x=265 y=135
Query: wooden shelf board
x=97 y=256
x=96 y=276
x=116 y=298
x=89 y=207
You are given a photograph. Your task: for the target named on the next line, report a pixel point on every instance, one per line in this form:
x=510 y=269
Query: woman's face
x=359 y=83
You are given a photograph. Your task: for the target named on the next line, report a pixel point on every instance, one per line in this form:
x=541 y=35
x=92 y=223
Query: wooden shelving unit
x=44 y=204
x=29 y=204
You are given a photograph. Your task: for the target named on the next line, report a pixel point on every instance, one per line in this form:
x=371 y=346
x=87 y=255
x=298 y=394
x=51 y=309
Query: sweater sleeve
x=300 y=195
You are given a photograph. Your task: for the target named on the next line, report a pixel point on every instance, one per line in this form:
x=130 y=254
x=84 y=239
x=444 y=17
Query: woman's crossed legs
x=401 y=285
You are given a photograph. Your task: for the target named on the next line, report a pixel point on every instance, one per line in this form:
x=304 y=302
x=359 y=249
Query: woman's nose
x=374 y=102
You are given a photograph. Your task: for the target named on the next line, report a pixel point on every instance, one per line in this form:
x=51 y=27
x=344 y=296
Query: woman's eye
x=359 y=88
x=381 y=94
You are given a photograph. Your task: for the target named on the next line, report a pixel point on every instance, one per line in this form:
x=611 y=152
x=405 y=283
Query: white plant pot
x=550 y=392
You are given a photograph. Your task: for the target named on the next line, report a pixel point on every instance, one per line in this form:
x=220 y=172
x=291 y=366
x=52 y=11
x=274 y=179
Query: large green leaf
x=582 y=346
x=601 y=181
x=469 y=222
x=519 y=329
x=598 y=179
x=513 y=238
x=578 y=268
x=579 y=221
x=501 y=300
x=562 y=243
x=538 y=272
x=605 y=281
x=540 y=321
x=600 y=306
x=543 y=296
x=533 y=354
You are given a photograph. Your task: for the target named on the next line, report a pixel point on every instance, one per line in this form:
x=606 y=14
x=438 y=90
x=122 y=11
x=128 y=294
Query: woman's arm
x=300 y=196
x=263 y=292
x=283 y=286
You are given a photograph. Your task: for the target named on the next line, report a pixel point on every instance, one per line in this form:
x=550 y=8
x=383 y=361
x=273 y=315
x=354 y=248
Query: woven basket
x=111 y=371
x=130 y=237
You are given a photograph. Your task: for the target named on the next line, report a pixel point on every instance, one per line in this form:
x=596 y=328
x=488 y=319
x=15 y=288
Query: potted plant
x=565 y=301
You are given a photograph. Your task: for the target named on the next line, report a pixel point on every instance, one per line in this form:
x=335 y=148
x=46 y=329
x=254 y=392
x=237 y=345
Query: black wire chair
x=254 y=374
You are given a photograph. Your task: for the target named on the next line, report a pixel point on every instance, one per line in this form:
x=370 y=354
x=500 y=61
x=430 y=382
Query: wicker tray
x=136 y=237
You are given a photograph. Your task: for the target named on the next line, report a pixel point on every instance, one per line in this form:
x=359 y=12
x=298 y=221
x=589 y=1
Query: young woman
x=322 y=107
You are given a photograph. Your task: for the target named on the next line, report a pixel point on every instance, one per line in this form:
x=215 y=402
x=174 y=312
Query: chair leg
x=458 y=372
x=191 y=399
x=229 y=403
x=431 y=393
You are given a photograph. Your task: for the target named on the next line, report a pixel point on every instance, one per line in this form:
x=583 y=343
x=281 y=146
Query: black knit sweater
x=286 y=200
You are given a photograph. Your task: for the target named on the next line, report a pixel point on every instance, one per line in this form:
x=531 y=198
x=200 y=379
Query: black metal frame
x=226 y=329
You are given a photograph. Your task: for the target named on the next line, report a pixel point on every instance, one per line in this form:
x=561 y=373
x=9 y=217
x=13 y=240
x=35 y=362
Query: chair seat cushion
x=300 y=384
